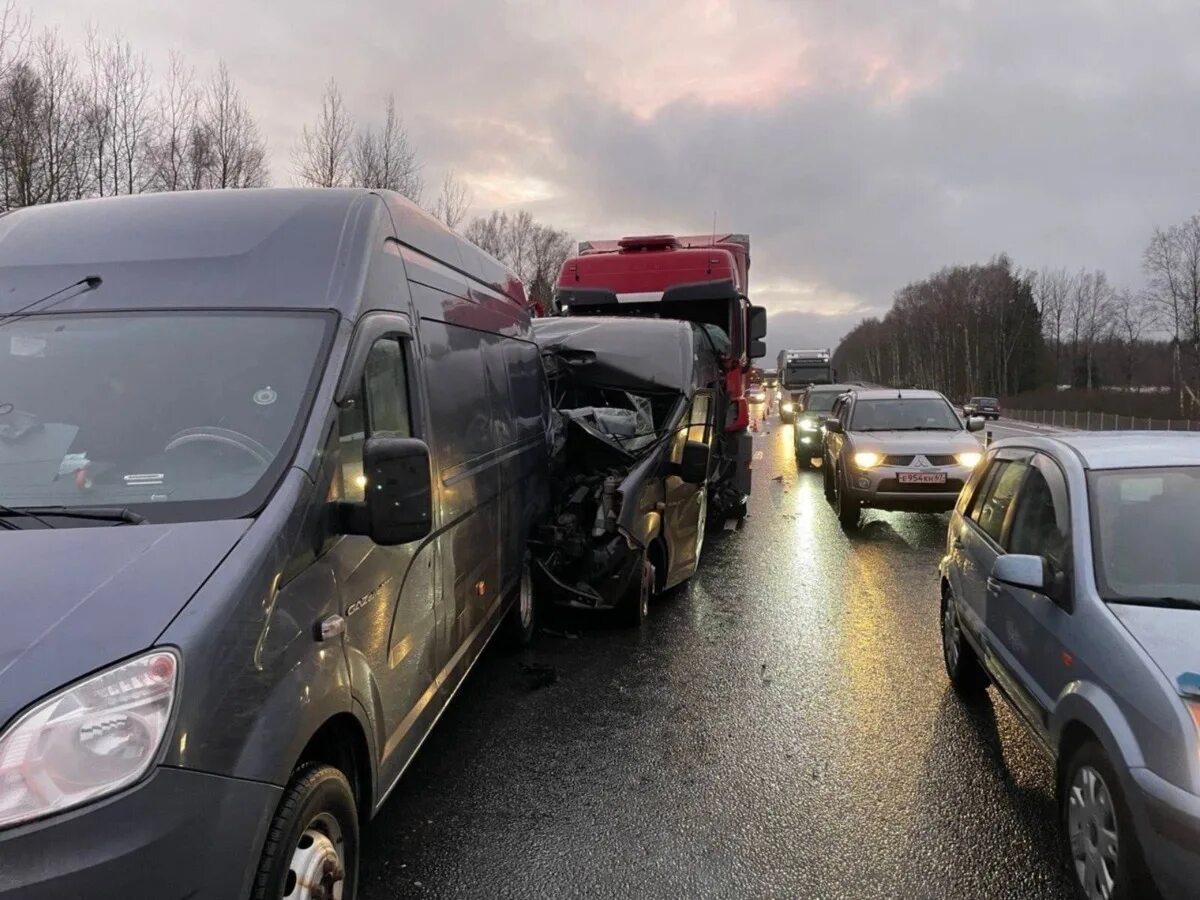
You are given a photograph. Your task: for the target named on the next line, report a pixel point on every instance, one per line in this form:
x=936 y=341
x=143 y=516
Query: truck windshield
x=916 y=414
x=1144 y=527
x=175 y=415
x=802 y=373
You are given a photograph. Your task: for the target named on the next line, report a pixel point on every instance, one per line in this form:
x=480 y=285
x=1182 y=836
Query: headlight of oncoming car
x=809 y=425
x=970 y=458
x=867 y=460
x=88 y=740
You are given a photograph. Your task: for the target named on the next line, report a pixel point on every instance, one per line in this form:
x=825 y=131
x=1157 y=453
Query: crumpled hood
x=923 y=442
x=1168 y=635
x=73 y=600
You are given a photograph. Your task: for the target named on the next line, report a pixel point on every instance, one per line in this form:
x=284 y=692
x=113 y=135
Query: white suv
x=896 y=449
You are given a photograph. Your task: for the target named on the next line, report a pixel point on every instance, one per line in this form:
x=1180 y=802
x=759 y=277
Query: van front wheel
x=522 y=616
x=311 y=851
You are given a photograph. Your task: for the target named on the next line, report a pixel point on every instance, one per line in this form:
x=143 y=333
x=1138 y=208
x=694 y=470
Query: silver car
x=896 y=449
x=1071 y=582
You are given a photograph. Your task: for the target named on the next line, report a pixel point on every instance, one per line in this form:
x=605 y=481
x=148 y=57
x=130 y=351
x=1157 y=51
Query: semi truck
x=797 y=370
x=693 y=278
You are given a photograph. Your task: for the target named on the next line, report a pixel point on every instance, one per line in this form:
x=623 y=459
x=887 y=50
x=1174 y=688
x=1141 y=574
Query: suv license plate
x=922 y=477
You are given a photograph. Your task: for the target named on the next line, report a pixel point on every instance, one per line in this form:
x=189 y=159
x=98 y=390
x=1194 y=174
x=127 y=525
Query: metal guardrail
x=1080 y=420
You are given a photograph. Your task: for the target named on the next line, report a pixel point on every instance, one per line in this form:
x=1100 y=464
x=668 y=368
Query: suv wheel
x=848 y=510
x=827 y=479
x=803 y=460
x=1103 y=849
x=962 y=665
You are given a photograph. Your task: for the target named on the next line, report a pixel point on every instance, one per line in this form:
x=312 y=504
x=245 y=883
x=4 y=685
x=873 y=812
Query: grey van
x=268 y=463
x=635 y=400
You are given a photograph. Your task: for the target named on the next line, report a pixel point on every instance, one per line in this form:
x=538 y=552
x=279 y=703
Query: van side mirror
x=693 y=468
x=399 y=493
x=758 y=323
x=833 y=426
x=758 y=349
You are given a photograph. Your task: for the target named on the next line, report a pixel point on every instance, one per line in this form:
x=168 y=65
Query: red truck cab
x=697 y=278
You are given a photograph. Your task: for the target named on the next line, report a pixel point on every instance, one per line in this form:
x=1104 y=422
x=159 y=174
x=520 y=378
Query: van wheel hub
x=316 y=871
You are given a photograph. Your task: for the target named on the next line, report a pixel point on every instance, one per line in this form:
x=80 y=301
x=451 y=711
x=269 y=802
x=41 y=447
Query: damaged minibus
x=634 y=404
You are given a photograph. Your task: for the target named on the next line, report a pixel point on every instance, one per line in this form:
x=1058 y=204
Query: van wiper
x=18 y=511
x=1164 y=602
x=117 y=514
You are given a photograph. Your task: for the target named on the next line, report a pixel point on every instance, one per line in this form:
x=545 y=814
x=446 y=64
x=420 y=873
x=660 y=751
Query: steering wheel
x=226 y=437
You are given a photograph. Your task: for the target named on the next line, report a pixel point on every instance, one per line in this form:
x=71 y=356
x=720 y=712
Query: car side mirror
x=398 y=507
x=975 y=423
x=1022 y=570
x=833 y=426
x=758 y=323
x=693 y=467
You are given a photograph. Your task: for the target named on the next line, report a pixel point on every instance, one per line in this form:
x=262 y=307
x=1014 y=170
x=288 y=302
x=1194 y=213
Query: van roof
x=271 y=247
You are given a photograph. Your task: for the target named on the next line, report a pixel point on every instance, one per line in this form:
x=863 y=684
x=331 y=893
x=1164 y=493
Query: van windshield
x=176 y=415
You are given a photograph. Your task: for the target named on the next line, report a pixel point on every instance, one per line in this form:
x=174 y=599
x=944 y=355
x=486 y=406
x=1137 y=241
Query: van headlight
x=970 y=458
x=788 y=407
x=867 y=460
x=88 y=740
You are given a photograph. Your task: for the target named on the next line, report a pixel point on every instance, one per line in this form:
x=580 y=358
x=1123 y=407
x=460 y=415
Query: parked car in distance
x=636 y=403
x=896 y=449
x=270 y=460
x=1071 y=582
x=812 y=408
x=987 y=407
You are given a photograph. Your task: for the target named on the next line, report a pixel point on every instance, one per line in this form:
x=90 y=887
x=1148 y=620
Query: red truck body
x=696 y=278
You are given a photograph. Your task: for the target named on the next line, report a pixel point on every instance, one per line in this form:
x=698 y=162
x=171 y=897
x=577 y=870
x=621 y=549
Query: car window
x=379 y=406
x=991 y=509
x=1041 y=520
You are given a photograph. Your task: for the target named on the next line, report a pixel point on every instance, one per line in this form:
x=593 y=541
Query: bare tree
x=14 y=32
x=323 y=156
x=120 y=116
x=1052 y=288
x=234 y=143
x=386 y=159
x=177 y=166
x=1172 y=263
x=1131 y=320
x=453 y=201
x=534 y=251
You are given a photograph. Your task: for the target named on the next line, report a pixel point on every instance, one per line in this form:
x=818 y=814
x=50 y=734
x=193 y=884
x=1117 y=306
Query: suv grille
x=935 y=459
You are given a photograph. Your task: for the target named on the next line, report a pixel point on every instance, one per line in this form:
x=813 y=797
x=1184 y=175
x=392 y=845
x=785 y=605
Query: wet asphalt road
x=781 y=728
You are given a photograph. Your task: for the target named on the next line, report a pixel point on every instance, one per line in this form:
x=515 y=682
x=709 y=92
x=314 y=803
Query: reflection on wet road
x=783 y=727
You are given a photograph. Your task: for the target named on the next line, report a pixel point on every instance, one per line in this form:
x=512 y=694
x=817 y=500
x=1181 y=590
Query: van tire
x=635 y=605
x=1132 y=880
x=319 y=804
x=520 y=625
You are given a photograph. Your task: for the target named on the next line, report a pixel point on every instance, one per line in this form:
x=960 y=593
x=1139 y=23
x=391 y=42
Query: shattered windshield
x=152 y=410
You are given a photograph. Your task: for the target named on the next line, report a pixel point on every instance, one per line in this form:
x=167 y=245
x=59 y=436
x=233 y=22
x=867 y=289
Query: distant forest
x=998 y=330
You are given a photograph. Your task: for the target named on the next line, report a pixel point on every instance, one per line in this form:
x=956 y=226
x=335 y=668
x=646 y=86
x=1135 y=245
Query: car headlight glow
x=970 y=458
x=809 y=424
x=788 y=407
x=88 y=740
x=867 y=460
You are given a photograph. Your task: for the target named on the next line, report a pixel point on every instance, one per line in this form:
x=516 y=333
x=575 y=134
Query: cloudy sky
x=861 y=144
